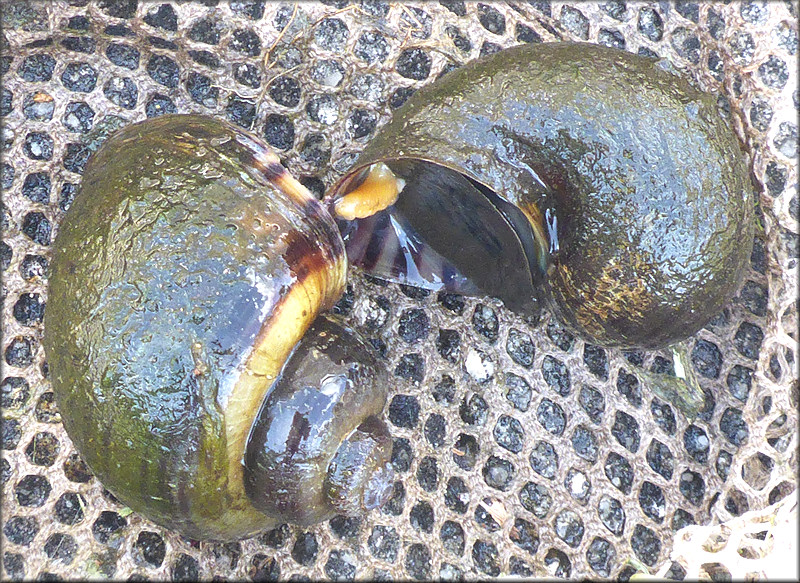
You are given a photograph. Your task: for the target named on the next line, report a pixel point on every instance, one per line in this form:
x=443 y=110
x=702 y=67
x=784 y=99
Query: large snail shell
x=622 y=186
x=184 y=275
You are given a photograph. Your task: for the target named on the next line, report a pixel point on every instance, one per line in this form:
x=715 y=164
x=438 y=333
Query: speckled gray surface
x=518 y=448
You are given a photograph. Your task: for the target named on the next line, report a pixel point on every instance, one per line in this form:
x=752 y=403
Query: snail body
x=183 y=321
x=587 y=177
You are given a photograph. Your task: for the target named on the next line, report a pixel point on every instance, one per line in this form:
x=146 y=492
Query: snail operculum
x=444 y=231
x=636 y=213
x=185 y=273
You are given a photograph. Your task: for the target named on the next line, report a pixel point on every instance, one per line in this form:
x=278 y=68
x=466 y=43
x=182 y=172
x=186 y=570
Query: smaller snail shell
x=584 y=176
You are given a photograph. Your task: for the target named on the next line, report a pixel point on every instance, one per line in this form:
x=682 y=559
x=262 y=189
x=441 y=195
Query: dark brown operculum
x=446 y=232
x=317 y=447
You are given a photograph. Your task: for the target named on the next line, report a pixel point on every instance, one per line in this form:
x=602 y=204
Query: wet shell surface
x=184 y=277
x=594 y=179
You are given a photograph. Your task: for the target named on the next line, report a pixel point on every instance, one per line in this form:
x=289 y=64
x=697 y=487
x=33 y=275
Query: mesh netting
x=519 y=449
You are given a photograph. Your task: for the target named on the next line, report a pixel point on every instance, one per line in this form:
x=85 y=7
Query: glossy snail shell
x=588 y=177
x=182 y=323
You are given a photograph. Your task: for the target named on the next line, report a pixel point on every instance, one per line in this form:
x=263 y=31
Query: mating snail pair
x=191 y=365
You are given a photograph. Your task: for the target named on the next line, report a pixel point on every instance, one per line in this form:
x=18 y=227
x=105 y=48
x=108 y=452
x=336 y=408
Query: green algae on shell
x=184 y=275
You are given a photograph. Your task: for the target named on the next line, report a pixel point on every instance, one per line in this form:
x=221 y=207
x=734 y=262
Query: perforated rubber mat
x=519 y=449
